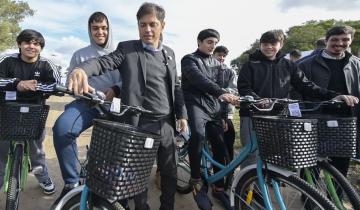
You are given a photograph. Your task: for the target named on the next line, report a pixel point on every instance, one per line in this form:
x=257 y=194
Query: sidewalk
x=33 y=199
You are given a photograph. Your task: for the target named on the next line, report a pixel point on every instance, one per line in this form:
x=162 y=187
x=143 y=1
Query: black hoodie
x=264 y=78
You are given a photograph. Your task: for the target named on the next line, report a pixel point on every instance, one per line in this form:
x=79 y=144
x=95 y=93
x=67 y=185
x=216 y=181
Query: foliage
x=11 y=14
x=303 y=37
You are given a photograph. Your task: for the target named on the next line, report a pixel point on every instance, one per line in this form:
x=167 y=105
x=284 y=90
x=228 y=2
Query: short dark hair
x=28 y=35
x=97 y=17
x=151 y=8
x=206 y=33
x=338 y=30
x=221 y=49
x=320 y=43
x=272 y=36
x=295 y=53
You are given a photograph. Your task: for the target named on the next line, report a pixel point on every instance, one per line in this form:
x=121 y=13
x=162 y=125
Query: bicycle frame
x=224 y=170
x=329 y=185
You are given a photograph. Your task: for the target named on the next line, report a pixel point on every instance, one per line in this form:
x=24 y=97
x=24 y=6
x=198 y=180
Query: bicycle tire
x=183 y=177
x=350 y=199
x=12 y=195
x=74 y=204
x=299 y=196
x=183 y=166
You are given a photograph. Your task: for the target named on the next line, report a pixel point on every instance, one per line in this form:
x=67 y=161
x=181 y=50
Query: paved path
x=33 y=199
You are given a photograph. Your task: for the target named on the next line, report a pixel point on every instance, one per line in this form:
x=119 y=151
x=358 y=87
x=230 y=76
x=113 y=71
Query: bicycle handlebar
x=257 y=103
x=98 y=98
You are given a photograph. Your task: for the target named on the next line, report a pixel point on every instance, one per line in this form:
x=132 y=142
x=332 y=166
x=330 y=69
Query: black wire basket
x=120 y=159
x=337 y=135
x=22 y=121
x=286 y=142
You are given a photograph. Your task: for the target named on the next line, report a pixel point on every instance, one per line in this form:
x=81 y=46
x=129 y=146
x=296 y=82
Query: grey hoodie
x=104 y=81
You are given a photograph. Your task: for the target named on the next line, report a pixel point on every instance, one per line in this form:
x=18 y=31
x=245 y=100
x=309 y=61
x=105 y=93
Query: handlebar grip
x=61 y=88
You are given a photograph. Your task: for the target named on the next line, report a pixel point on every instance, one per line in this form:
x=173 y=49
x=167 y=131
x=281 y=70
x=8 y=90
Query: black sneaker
x=48 y=186
x=200 y=196
x=67 y=188
x=223 y=198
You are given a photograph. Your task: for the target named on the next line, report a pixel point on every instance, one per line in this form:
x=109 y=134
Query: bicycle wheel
x=296 y=193
x=327 y=179
x=12 y=195
x=183 y=177
x=74 y=204
x=183 y=166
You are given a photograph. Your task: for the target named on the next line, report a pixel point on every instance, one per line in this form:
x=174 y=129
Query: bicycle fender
x=68 y=196
x=238 y=175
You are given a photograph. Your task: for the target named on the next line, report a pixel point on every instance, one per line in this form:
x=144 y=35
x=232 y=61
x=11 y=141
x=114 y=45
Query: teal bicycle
x=266 y=185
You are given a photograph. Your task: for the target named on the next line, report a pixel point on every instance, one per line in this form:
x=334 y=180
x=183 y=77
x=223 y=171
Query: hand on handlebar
x=348 y=99
x=78 y=82
x=26 y=85
x=265 y=103
x=110 y=94
x=230 y=98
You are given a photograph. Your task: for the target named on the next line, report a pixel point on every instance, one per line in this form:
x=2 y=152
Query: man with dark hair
x=202 y=86
x=268 y=74
x=220 y=53
x=295 y=55
x=78 y=115
x=336 y=69
x=148 y=71
x=27 y=72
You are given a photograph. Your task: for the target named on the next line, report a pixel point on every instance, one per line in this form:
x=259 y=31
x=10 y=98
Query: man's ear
x=162 y=25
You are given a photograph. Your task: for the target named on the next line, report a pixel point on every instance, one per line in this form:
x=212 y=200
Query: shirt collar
x=151 y=48
x=328 y=56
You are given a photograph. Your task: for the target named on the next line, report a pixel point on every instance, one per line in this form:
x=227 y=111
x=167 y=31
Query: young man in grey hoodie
x=78 y=115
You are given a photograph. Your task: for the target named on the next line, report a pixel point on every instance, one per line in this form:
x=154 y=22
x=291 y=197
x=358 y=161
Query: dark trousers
x=166 y=163
x=201 y=123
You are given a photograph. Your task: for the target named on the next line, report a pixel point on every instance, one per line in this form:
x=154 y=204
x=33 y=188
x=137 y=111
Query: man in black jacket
x=149 y=79
x=336 y=69
x=201 y=84
x=26 y=75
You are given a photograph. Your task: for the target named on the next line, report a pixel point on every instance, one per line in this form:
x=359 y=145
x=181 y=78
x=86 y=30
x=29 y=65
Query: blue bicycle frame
x=224 y=170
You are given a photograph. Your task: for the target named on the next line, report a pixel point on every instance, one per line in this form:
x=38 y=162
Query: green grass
x=236 y=122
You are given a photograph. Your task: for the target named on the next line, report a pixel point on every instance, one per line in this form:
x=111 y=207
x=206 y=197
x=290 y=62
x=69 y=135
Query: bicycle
x=119 y=160
x=337 y=134
x=260 y=186
x=21 y=121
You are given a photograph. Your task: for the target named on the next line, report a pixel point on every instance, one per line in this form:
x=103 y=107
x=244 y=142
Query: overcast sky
x=64 y=23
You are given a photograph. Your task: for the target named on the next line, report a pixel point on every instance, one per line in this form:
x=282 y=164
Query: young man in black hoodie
x=202 y=88
x=268 y=74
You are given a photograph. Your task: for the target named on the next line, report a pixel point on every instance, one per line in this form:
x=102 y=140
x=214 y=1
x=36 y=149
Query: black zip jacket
x=13 y=70
x=200 y=82
x=263 y=78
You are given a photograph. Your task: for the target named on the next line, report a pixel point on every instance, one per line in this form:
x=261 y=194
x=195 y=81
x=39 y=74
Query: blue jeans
x=76 y=118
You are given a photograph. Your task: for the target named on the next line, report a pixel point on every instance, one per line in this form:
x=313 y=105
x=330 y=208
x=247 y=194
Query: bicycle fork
x=265 y=191
x=24 y=159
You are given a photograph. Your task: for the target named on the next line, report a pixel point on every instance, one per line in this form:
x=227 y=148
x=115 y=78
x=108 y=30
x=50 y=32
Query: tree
x=11 y=14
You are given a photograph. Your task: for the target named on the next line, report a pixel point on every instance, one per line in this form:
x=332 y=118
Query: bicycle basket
x=336 y=135
x=22 y=121
x=286 y=142
x=119 y=164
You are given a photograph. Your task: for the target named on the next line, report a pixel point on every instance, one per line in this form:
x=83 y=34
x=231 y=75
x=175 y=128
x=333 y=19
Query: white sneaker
x=47 y=186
